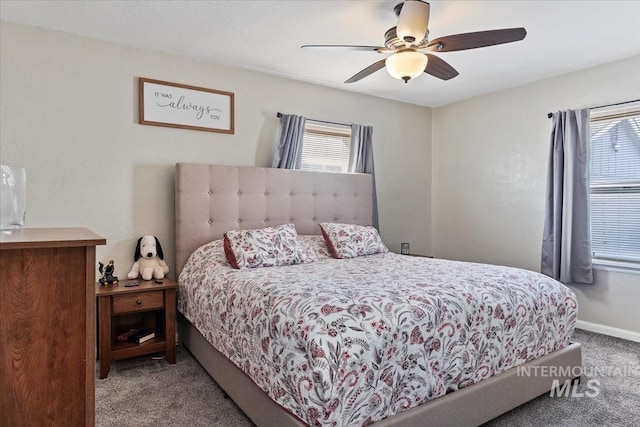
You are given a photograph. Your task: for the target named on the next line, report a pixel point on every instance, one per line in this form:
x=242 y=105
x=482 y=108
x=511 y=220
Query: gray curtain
x=361 y=159
x=289 y=151
x=566 y=241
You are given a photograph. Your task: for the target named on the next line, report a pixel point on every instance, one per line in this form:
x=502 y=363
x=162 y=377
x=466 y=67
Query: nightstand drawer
x=138 y=301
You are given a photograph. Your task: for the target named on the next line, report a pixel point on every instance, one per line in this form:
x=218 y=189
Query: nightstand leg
x=104 y=322
x=170 y=324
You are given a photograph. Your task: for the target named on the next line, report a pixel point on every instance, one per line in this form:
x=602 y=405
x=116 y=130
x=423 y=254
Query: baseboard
x=608 y=330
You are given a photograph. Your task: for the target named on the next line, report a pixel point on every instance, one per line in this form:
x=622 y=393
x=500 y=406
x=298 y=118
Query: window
x=615 y=184
x=325 y=147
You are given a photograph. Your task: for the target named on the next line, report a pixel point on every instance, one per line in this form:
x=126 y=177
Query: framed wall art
x=187 y=107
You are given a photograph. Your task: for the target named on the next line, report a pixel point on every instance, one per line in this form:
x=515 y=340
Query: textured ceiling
x=562 y=36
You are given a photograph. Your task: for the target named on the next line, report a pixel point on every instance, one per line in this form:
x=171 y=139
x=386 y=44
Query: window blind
x=615 y=183
x=325 y=147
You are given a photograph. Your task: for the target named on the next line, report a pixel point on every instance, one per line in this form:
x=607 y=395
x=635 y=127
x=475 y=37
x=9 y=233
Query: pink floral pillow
x=266 y=247
x=350 y=241
x=314 y=248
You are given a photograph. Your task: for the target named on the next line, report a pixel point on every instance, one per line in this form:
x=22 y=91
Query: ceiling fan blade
x=369 y=70
x=413 y=21
x=476 y=40
x=343 y=47
x=440 y=68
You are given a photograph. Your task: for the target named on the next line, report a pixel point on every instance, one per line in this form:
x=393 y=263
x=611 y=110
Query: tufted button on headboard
x=211 y=200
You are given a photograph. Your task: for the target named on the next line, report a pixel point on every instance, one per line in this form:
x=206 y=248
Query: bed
x=425 y=348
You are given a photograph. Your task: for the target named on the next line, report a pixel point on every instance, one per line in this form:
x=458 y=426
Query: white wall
x=68 y=114
x=489 y=177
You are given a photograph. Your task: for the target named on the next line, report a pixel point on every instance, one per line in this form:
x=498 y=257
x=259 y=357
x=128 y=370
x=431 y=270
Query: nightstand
x=149 y=305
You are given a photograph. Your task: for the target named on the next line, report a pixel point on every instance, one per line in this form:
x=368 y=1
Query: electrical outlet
x=404 y=248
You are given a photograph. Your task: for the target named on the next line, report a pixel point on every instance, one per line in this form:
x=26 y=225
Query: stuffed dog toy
x=149 y=260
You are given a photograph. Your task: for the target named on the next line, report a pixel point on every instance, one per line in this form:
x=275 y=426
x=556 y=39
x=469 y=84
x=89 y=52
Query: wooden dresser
x=47 y=326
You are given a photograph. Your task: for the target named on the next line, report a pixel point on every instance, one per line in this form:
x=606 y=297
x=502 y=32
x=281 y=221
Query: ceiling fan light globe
x=413 y=21
x=406 y=65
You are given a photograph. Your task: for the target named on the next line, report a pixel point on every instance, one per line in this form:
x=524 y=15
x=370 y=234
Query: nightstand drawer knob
x=138 y=302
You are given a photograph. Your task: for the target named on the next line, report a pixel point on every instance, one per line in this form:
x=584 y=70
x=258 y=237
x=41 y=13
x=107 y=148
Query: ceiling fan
x=410 y=47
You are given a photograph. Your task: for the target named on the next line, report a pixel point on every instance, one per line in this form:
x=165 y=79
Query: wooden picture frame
x=186 y=107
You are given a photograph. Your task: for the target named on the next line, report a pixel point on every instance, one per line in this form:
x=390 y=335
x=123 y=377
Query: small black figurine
x=107 y=274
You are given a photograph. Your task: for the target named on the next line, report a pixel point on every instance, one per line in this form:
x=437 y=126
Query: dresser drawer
x=138 y=301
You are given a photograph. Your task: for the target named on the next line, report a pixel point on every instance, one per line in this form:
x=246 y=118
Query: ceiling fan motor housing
x=413 y=21
x=393 y=42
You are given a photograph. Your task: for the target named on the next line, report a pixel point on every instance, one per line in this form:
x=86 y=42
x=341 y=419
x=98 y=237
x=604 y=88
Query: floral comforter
x=350 y=342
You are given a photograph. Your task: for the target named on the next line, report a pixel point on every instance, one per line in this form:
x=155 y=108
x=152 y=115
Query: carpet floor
x=145 y=392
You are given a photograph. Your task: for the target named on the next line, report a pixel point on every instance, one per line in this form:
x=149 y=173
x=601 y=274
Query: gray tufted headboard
x=211 y=200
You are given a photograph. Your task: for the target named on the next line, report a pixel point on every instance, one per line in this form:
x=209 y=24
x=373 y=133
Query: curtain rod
x=549 y=115
x=320 y=121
